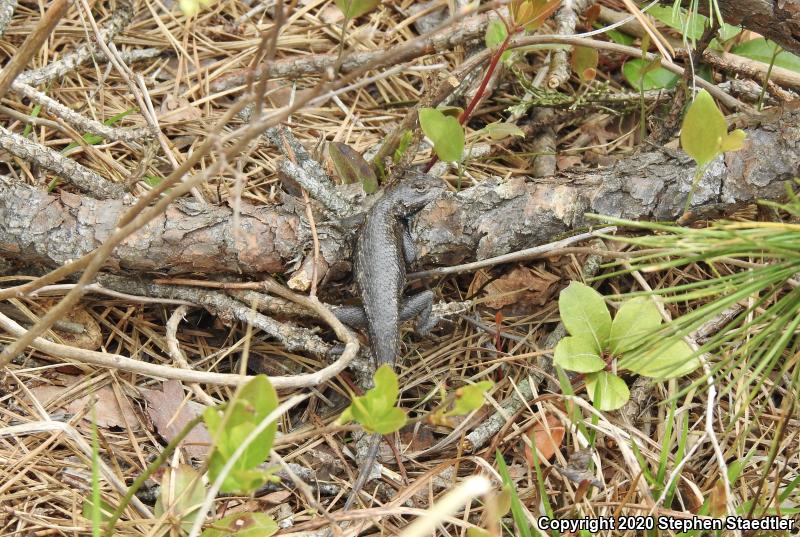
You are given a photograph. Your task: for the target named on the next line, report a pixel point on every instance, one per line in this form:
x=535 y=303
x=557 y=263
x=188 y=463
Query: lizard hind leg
x=420 y=306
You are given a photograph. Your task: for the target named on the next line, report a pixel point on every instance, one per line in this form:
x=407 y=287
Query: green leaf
x=376 y=410
x=351 y=166
x=517 y=509
x=252 y=403
x=679 y=20
x=734 y=141
x=445 y=132
x=496 y=33
x=668 y=359
x=585 y=315
x=618 y=37
x=402 y=146
x=34 y=114
x=703 y=129
x=578 y=354
x=500 y=130
x=606 y=390
x=106 y=509
x=355 y=8
x=470 y=397
x=635 y=319
x=584 y=62
x=189 y=7
x=694 y=25
x=181 y=494
x=94 y=139
x=641 y=76
x=762 y=50
x=251 y=524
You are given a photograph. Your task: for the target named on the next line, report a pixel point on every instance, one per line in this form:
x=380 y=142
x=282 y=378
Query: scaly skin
x=380 y=273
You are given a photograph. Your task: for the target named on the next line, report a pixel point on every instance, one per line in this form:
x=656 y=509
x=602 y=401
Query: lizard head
x=414 y=192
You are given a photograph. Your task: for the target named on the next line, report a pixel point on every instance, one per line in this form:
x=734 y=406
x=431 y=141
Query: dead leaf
x=175 y=109
x=565 y=162
x=331 y=14
x=546 y=437
x=170 y=413
x=416 y=438
x=599 y=132
x=275 y=498
x=522 y=287
x=109 y=411
x=718 y=501
x=90 y=338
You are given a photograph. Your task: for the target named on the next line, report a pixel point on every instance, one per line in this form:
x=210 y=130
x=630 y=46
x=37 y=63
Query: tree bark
x=492 y=218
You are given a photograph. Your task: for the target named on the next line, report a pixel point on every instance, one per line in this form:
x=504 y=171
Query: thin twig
x=82 y=177
x=79 y=122
x=177 y=354
x=32 y=44
x=543 y=250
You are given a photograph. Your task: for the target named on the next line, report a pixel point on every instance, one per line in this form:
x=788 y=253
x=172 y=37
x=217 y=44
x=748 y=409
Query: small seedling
x=228 y=429
x=376 y=411
x=599 y=346
x=704 y=136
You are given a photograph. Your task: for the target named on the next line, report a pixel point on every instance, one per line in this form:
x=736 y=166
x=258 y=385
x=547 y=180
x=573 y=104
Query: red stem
x=476 y=99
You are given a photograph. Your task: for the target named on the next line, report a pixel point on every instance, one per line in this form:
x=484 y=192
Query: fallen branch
x=77 y=174
x=32 y=44
x=493 y=218
x=80 y=123
x=121 y=17
x=70 y=62
x=445 y=39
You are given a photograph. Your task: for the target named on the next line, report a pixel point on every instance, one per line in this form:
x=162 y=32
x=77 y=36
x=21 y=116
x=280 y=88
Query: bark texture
x=492 y=218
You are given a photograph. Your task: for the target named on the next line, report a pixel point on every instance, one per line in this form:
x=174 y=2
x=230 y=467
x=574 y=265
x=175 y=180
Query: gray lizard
x=383 y=248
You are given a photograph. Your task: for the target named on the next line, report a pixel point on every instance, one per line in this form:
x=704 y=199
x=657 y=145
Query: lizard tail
x=365 y=470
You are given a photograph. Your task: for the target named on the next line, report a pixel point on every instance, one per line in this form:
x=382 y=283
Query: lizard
x=382 y=251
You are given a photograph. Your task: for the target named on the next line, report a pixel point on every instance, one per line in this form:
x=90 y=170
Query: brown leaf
x=565 y=162
x=90 y=338
x=417 y=437
x=522 y=287
x=170 y=413
x=547 y=437
x=109 y=411
x=176 y=109
x=718 y=501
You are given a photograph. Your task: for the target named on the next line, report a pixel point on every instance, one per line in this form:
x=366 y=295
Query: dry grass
x=45 y=476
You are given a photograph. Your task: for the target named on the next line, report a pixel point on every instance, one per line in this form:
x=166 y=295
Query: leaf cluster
x=596 y=343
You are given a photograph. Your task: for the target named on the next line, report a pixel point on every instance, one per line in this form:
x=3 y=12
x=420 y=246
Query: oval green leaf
x=243 y=525
x=577 y=354
x=500 y=129
x=445 y=132
x=606 y=390
x=351 y=166
x=635 y=319
x=643 y=77
x=584 y=62
x=355 y=8
x=585 y=315
x=762 y=50
x=703 y=129
x=669 y=359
